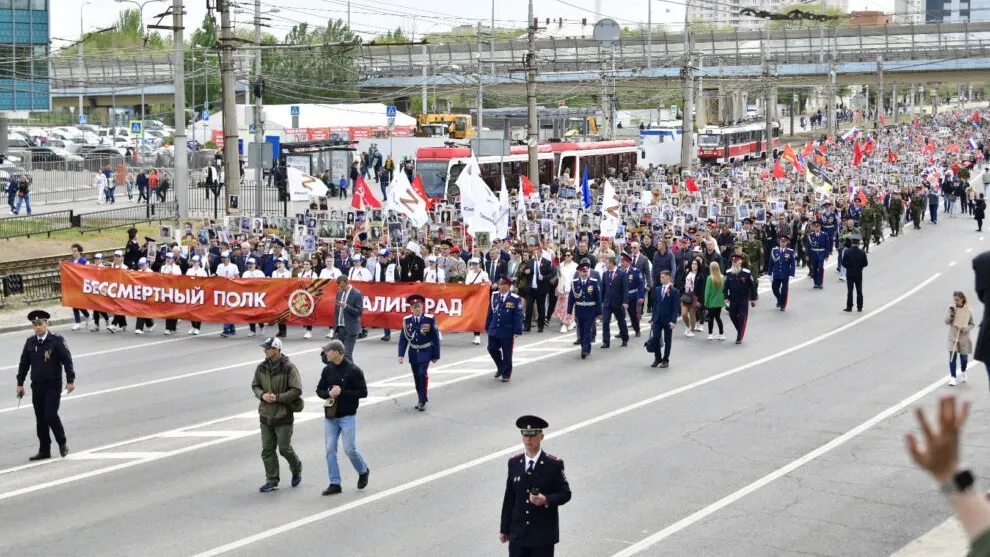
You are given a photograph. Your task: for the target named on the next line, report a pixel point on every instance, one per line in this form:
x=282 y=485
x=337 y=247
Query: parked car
x=10 y=171
x=54 y=158
x=95 y=157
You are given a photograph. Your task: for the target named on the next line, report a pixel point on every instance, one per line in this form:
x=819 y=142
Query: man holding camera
x=341 y=386
x=535 y=487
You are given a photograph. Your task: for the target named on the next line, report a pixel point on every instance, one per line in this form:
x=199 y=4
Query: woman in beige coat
x=959 y=318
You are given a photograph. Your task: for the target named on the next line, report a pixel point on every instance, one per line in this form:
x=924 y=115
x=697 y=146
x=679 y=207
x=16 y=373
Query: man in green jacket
x=278 y=386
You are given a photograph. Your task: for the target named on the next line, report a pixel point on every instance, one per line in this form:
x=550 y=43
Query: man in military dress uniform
x=46 y=354
x=535 y=487
x=503 y=324
x=635 y=291
x=783 y=266
x=740 y=293
x=585 y=303
x=818 y=250
x=421 y=336
x=830 y=225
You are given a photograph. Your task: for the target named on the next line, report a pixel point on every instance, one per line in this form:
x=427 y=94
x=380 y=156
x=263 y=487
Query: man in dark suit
x=854 y=261
x=534 y=489
x=347 y=315
x=666 y=308
x=495 y=266
x=614 y=283
x=981 y=269
x=537 y=275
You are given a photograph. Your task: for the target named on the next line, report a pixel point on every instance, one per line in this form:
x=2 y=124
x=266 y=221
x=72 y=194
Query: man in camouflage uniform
x=917 y=208
x=750 y=238
x=869 y=222
x=894 y=213
x=877 y=230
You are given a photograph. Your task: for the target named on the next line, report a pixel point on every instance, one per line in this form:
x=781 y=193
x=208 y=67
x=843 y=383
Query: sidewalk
x=15 y=318
x=945 y=540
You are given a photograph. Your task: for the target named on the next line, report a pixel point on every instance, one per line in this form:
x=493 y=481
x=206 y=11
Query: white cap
x=356 y=257
x=250 y=261
x=431 y=259
x=196 y=258
x=225 y=254
x=169 y=255
x=98 y=256
x=272 y=342
x=143 y=261
x=413 y=247
x=118 y=253
x=474 y=261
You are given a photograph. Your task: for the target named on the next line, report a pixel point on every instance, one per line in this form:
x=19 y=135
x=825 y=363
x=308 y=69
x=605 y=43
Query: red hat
x=505 y=280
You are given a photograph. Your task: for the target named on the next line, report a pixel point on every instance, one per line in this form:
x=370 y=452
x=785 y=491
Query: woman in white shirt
x=307 y=273
x=567 y=269
x=433 y=274
x=387 y=273
x=229 y=270
x=281 y=272
x=253 y=272
x=196 y=270
x=142 y=322
x=687 y=309
x=476 y=275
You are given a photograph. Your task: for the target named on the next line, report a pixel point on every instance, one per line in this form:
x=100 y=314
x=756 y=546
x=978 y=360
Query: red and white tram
x=727 y=144
x=439 y=167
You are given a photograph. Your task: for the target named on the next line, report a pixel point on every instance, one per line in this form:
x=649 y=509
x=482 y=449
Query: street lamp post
x=140 y=6
x=82 y=43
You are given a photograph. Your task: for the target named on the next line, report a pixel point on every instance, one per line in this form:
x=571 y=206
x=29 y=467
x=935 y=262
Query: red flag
x=363 y=196
x=954 y=148
x=868 y=150
x=417 y=185
x=527 y=186
x=807 y=150
x=883 y=121
x=691 y=186
x=976 y=116
x=861 y=196
x=778 y=171
x=857 y=154
x=891 y=156
x=673 y=188
x=764 y=175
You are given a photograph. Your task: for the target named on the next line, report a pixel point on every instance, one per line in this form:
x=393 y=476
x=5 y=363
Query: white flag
x=302 y=186
x=610 y=211
x=487 y=207
x=402 y=198
x=464 y=181
x=502 y=226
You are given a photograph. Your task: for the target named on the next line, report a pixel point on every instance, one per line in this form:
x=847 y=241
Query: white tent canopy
x=279 y=116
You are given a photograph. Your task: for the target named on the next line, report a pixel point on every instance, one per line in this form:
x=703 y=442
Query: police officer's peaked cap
x=39 y=315
x=736 y=256
x=856 y=238
x=784 y=238
x=626 y=257
x=415 y=299
x=583 y=267
x=531 y=425
x=505 y=280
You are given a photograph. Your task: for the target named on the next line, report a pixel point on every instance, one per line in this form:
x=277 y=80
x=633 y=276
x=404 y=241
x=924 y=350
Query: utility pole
x=794 y=99
x=832 y=91
x=259 y=118
x=481 y=92
x=649 y=34
x=426 y=63
x=699 y=103
x=687 y=90
x=533 y=131
x=232 y=171
x=721 y=94
x=181 y=158
x=491 y=41
x=880 y=91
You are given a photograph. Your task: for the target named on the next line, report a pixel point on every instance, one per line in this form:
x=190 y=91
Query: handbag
x=330 y=407
x=687 y=298
x=651 y=344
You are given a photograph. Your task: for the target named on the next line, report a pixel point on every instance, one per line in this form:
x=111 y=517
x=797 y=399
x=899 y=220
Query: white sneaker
x=151 y=328
x=77 y=326
x=307 y=334
x=195 y=331
x=139 y=331
x=330 y=334
x=563 y=328
x=721 y=337
x=711 y=337
x=191 y=332
x=251 y=334
x=94 y=328
x=952 y=381
x=689 y=334
x=476 y=341
x=699 y=328
x=572 y=326
x=842 y=279
x=167 y=332
x=112 y=328
x=962 y=377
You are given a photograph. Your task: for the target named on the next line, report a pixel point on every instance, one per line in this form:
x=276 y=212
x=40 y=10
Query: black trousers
x=516 y=550
x=536 y=297
x=664 y=336
x=850 y=283
x=171 y=324
x=739 y=314
x=634 y=315
x=46 y=398
x=120 y=321
x=620 y=316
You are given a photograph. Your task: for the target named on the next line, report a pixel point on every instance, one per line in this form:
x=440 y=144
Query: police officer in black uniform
x=46 y=353
x=536 y=486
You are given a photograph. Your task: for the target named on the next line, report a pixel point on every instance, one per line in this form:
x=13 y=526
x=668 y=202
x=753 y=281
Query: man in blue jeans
x=341 y=386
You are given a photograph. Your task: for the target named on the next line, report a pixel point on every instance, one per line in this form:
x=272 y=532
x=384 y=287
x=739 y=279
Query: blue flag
x=585 y=190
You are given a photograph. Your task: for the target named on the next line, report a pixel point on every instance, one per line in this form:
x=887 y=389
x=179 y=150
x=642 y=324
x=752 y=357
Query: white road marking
x=73 y=340
x=122 y=456
x=969 y=250
x=981 y=238
x=207 y=434
x=364 y=501
x=952 y=264
x=793 y=465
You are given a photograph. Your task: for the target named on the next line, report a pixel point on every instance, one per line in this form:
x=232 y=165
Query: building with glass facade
x=24 y=39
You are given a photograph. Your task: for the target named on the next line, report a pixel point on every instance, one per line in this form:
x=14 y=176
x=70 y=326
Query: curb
x=53 y=322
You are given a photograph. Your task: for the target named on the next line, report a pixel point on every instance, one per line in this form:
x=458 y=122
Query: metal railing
x=113 y=218
x=36 y=224
x=32 y=287
x=207 y=202
x=48 y=263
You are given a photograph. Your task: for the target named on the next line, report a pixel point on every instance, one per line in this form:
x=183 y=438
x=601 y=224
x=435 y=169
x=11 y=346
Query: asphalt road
x=789 y=444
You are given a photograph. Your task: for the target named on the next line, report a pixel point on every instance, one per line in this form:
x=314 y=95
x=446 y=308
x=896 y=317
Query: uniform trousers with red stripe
x=738 y=314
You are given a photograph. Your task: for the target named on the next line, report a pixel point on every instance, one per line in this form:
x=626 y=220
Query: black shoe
x=332 y=489
x=655 y=363
x=421 y=406
x=617 y=336
x=847 y=310
x=665 y=363
x=625 y=343
x=498 y=374
x=386 y=338
x=781 y=308
x=505 y=379
x=577 y=342
x=604 y=346
x=39 y=456
x=539 y=330
x=63 y=450
x=268 y=487
x=296 y=480
x=363 y=479
x=637 y=333
x=860 y=310
x=738 y=342
x=584 y=355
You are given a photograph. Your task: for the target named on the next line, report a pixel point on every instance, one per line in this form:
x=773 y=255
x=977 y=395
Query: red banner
x=293 y=301
x=218 y=138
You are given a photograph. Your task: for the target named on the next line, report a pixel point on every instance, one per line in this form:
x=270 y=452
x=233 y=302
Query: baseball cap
x=272 y=342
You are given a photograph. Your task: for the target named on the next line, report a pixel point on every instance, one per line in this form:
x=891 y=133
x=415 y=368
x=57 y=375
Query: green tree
x=324 y=73
x=392 y=37
x=126 y=37
x=202 y=68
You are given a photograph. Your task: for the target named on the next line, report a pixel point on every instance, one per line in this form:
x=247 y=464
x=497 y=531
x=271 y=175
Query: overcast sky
x=371 y=17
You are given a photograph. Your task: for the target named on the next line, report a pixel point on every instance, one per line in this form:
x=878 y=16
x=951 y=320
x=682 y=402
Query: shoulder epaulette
x=551 y=457
x=513 y=457
x=592 y=279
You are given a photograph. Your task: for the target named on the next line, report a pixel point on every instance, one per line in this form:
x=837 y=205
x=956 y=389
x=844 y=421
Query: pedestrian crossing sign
x=136 y=126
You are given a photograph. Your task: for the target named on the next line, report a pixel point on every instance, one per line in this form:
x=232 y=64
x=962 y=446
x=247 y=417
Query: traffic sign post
x=82 y=119
x=390 y=113
x=206 y=116
x=136 y=128
x=294 y=110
